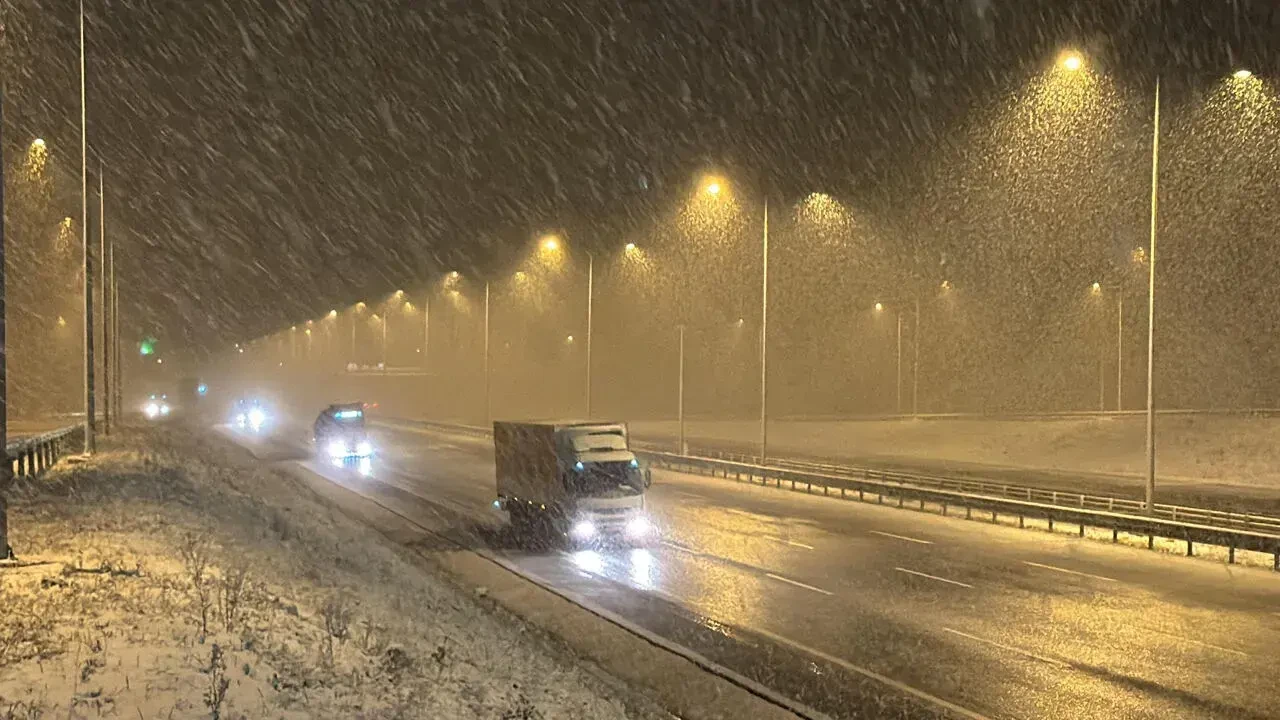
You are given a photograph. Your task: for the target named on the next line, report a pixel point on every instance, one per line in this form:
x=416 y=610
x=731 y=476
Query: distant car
x=156 y=407
x=249 y=414
x=339 y=432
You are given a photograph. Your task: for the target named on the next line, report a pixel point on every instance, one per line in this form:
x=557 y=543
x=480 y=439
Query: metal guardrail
x=879 y=490
x=1193 y=526
x=1222 y=518
x=32 y=455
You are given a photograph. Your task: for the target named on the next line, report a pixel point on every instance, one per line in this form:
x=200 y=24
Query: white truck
x=577 y=479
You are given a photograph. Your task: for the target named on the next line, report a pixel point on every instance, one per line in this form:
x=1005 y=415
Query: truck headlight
x=364 y=448
x=257 y=418
x=638 y=526
x=337 y=449
x=583 y=530
x=241 y=420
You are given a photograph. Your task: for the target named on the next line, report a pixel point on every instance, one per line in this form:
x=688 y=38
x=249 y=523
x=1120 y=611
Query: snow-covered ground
x=186 y=580
x=1228 y=450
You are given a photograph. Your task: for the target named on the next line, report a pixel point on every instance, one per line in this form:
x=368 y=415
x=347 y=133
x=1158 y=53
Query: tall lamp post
x=89 y=404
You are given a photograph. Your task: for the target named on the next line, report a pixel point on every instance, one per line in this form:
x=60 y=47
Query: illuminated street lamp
x=1072 y=62
x=550 y=243
x=1242 y=74
x=713 y=185
x=879 y=307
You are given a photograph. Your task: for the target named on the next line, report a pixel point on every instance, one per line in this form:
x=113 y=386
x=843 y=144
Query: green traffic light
x=147 y=346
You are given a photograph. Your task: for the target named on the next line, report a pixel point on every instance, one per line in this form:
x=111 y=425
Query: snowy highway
x=840 y=604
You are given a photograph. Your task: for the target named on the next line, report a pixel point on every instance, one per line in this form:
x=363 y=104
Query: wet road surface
x=865 y=611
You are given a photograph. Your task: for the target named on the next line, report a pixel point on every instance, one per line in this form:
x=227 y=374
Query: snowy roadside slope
x=306 y=613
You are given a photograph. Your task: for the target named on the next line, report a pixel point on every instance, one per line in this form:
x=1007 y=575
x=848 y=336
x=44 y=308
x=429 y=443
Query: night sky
x=266 y=161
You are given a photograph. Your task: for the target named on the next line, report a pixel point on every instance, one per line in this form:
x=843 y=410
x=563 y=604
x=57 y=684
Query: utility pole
x=764 y=340
x=591 y=271
x=898 y=385
x=1120 y=351
x=6 y=467
x=680 y=396
x=89 y=405
x=105 y=289
x=1151 y=307
x=915 y=363
x=115 y=337
x=488 y=412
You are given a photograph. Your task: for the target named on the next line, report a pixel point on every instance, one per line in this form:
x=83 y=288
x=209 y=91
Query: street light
x=1073 y=61
x=1242 y=74
x=550 y=243
x=712 y=185
x=898 y=385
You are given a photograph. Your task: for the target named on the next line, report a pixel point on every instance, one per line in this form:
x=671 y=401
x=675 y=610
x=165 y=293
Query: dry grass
x=185 y=580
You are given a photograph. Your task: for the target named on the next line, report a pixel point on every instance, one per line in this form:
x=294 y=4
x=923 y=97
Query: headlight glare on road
x=638 y=527
x=583 y=530
x=337 y=449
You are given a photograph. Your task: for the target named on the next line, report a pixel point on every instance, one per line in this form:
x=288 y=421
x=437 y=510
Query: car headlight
x=241 y=419
x=364 y=448
x=635 y=464
x=257 y=418
x=337 y=449
x=164 y=409
x=583 y=530
x=579 y=466
x=151 y=410
x=639 y=526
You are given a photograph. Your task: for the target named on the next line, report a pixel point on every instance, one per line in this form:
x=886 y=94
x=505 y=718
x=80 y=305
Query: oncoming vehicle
x=339 y=432
x=250 y=415
x=156 y=407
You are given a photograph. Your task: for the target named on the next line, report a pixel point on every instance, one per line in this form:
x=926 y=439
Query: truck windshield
x=598 y=441
x=605 y=480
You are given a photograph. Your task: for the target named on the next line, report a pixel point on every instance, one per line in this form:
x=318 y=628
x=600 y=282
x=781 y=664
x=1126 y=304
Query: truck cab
x=579 y=479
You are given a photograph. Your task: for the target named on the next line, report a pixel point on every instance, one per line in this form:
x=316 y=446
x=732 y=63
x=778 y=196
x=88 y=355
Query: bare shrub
x=196 y=552
x=216 y=693
x=337 y=622
x=231 y=595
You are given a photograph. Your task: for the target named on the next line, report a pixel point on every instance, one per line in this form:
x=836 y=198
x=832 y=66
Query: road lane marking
x=932 y=577
x=752 y=515
x=798 y=584
x=693 y=496
x=681 y=548
x=871 y=675
x=901 y=537
x=1069 y=572
x=1010 y=648
x=785 y=541
x=1200 y=643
